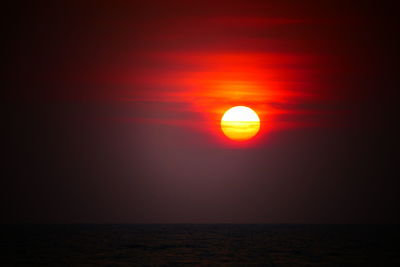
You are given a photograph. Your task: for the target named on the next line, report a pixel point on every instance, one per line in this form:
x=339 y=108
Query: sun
x=240 y=123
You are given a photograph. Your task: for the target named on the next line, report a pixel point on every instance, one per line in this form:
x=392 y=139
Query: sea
x=199 y=245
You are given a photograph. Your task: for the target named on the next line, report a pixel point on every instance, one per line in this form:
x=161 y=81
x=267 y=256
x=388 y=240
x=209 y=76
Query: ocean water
x=199 y=244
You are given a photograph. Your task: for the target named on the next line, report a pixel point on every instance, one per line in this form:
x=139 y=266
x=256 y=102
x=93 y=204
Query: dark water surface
x=202 y=244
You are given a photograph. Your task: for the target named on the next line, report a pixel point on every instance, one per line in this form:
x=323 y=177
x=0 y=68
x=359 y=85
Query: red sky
x=114 y=110
x=185 y=62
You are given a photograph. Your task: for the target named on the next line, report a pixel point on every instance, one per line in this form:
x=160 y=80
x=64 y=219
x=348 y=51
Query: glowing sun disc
x=240 y=123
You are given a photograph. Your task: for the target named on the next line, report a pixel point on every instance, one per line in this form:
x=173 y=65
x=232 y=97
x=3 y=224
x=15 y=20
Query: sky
x=112 y=112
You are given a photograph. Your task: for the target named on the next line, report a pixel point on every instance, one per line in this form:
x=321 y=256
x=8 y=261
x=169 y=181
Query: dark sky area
x=111 y=112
